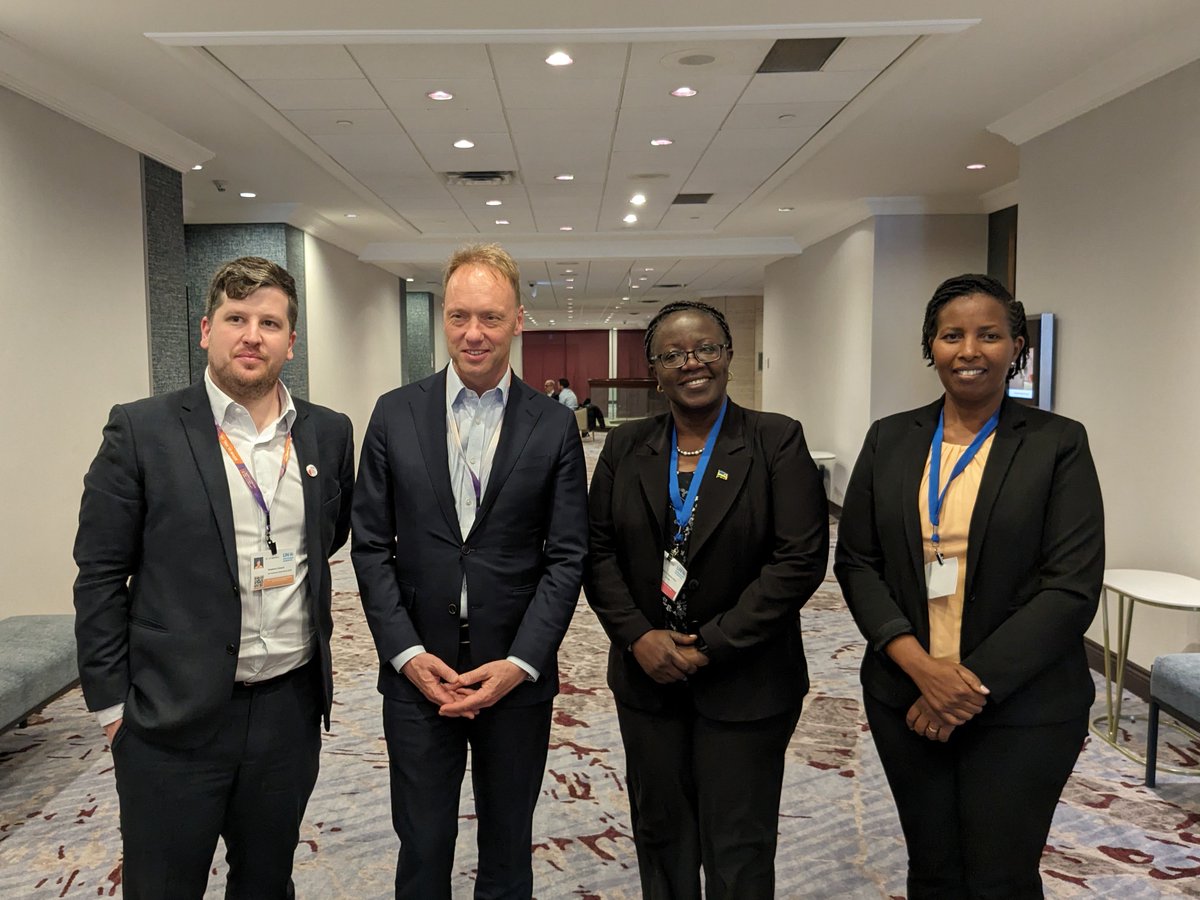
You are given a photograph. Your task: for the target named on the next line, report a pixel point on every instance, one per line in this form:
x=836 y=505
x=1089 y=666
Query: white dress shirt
x=568 y=399
x=277 y=633
x=473 y=425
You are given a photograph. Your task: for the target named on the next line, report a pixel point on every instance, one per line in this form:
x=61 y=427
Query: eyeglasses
x=677 y=359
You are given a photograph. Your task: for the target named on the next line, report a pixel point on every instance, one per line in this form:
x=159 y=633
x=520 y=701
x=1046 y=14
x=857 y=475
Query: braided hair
x=965 y=286
x=681 y=306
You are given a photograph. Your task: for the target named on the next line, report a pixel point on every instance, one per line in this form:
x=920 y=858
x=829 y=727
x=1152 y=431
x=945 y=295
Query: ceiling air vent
x=691 y=199
x=486 y=178
x=799 y=55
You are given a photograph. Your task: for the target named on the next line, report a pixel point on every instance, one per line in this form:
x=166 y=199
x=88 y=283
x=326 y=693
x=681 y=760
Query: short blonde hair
x=492 y=256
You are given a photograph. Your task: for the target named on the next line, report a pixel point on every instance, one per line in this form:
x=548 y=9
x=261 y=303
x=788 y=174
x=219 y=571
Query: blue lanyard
x=684 y=505
x=935 y=466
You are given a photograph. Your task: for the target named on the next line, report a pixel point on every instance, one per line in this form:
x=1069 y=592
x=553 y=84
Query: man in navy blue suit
x=469 y=535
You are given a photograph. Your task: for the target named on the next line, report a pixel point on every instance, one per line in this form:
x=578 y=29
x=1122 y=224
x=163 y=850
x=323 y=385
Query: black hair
x=965 y=286
x=682 y=306
x=564 y=383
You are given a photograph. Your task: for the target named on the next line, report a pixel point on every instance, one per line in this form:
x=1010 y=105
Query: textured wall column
x=418 y=334
x=166 y=294
x=210 y=246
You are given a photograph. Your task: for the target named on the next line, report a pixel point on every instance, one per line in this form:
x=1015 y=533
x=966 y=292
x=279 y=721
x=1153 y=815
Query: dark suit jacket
x=1035 y=561
x=157 y=605
x=523 y=558
x=758 y=550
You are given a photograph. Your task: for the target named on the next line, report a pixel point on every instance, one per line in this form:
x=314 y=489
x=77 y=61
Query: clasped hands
x=462 y=695
x=668 y=656
x=951 y=695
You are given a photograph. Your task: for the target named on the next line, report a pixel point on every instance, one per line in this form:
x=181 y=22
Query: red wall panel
x=574 y=355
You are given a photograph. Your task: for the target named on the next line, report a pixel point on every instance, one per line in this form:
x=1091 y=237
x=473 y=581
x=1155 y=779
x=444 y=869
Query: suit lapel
x=197 y=418
x=652 y=461
x=304 y=442
x=716 y=493
x=913 y=455
x=429 y=423
x=520 y=417
x=1008 y=437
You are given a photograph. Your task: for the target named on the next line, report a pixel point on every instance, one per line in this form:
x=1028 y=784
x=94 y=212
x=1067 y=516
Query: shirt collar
x=455 y=386
x=222 y=402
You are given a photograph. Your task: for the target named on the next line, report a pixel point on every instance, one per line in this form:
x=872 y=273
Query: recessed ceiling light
x=634 y=287
x=684 y=92
x=638 y=199
x=464 y=144
x=502 y=221
x=570 y=287
x=564 y=177
x=624 y=298
x=648 y=269
x=641 y=278
x=494 y=203
x=344 y=123
x=661 y=142
x=568 y=271
x=565 y=228
x=976 y=166
x=410 y=280
x=440 y=95
x=351 y=215
x=786 y=208
x=558 y=58
x=630 y=219
x=249 y=195
x=197 y=168
x=570 y=280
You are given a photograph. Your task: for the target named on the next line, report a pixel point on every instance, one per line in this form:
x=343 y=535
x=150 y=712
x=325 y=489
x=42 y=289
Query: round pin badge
x=311 y=470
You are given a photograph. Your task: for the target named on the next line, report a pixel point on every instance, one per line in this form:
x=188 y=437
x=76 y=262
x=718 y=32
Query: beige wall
x=816 y=344
x=74 y=340
x=353 y=312
x=744 y=315
x=1108 y=241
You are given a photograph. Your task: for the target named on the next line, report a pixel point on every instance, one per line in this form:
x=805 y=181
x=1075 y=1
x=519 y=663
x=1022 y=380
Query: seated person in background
x=567 y=396
x=550 y=388
x=594 y=415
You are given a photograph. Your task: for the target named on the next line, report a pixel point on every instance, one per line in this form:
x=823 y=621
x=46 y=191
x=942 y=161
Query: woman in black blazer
x=702 y=606
x=976 y=684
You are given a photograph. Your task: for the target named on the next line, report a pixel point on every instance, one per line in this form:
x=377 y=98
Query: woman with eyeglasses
x=709 y=531
x=971 y=554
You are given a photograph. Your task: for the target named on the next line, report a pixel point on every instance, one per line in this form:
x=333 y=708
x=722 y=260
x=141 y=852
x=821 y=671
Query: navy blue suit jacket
x=158 y=609
x=523 y=558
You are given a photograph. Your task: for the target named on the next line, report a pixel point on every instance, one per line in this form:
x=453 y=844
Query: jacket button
x=693 y=584
x=236 y=590
x=452 y=609
x=464 y=550
x=231 y=649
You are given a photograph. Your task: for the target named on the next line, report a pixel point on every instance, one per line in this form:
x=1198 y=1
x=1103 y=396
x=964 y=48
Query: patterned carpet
x=839 y=837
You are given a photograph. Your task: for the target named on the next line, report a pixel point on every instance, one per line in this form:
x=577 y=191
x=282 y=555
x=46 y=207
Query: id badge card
x=673 y=576
x=275 y=571
x=941 y=578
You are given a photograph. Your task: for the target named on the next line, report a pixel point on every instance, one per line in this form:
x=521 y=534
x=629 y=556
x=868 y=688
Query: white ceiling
x=321 y=110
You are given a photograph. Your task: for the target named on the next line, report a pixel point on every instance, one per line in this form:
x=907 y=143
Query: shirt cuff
x=107 y=716
x=530 y=671
x=400 y=660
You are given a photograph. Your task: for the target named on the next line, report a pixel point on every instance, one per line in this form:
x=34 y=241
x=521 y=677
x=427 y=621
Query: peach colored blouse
x=945 y=613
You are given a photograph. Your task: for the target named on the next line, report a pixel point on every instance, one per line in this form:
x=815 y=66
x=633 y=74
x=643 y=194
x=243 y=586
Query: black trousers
x=427 y=757
x=249 y=785
x=704 y=794
x=595 y=418
x=975 y=810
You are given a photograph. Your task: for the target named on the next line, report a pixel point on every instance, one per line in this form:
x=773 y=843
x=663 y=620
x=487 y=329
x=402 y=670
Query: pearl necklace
x=683 y=452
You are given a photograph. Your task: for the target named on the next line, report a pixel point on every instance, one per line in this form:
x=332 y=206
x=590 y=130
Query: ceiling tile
x=869 y=53
x=528 y=61
x=654 y=91
x=806 y=87
x=672 y=120
x=314 y=93
x=410 y=93
x=491 y=151
x=386 y=61
x=456 y=120
x=363 y=121
x=371 y=153
x=560 y=93
x=730 y=58
x=282 y=61
x=794 y=115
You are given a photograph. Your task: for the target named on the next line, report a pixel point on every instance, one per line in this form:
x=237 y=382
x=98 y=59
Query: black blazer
x=759 y=548
x=157 y=606
x=523 y=558
x=1035 y=561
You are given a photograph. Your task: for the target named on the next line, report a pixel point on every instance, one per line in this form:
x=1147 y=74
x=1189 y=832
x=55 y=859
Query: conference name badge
x=941 y=577
x=267 y=571
x=673 y=576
